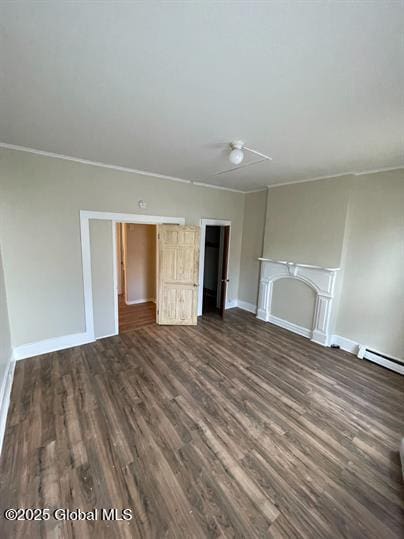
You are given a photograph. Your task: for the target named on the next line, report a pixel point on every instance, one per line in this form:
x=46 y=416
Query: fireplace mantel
x=320 y=279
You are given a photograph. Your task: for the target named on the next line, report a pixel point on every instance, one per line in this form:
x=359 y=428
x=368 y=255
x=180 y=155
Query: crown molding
x=202 y=184
x=119 y=168
x=260 y=190
x=377 y=170
x=89 y=162
x=317 y=178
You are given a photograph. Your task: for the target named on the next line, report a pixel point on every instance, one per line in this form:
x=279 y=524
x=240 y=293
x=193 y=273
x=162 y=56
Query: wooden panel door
x=178 y=271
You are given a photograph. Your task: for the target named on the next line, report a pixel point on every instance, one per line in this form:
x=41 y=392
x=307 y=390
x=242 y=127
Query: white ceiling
x=162 y=87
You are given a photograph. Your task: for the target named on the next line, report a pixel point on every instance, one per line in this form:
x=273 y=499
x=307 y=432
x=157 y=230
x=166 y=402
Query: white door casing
x=203 y=224
x=85 y=217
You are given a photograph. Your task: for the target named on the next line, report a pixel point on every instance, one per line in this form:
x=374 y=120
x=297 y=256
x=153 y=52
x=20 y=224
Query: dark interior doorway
x=215 y=274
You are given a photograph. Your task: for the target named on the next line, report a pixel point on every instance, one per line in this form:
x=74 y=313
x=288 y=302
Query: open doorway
x=136 y=275
x=215 y=268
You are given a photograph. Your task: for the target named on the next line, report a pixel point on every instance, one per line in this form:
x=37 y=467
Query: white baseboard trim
x=345 y=344
x=320 y=337
x=106 y=336
x=262 y=315
x=362 y=352
x=250 y=307
x=51 y=345
x=231 y=304
x=290 y=326
x=136 y=301
x=384 y=361
x=5 y=394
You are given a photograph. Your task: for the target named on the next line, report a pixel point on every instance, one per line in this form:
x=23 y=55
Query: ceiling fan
x=236 y=157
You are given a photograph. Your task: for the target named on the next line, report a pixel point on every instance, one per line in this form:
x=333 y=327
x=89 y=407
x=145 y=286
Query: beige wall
x=356 y=223
x=102 y=277
x=293 y=301
x=5 y=342
x=253 y=235
x=305 y=222
x=371 y=309
x=140 y=263
x=40 y=200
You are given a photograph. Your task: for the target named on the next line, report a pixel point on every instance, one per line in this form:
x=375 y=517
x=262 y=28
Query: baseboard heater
x=391 y=363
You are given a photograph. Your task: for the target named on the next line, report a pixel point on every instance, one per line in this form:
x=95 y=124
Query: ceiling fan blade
x=238 y=168
x=257 y=153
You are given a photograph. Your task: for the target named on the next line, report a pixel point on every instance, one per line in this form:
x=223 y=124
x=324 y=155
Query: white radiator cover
x=392 y=363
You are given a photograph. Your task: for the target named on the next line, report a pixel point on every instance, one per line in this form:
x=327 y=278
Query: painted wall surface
x=305 y=222
x=5 y=341
x=140 y=262
x=294 y=301
x=253 y=235
x=40 y=200
x=102 y=277
x=371 y=309
x=363 y=217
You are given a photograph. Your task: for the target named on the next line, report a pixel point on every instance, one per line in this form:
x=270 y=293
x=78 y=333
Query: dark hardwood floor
x=135 y=316
x=233 y=428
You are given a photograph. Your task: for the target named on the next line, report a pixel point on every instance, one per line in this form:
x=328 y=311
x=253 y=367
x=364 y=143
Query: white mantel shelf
x=321 y=279
x=289 y=263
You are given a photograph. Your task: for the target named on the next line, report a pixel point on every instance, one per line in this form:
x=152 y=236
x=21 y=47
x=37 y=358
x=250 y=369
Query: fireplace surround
x=321 y=280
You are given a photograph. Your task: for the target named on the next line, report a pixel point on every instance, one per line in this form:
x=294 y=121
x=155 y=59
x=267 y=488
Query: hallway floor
x=135 y=316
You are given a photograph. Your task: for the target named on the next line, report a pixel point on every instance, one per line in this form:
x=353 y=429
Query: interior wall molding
x=5 y=393
x=306 y=180
x=119 y=168
x=246 y=306
x=345 y=344
x=52 y=345
x=320 y=279
x=361 y=351
x=221 y=187
x=83 y=161
x=290 y=326
x=339 y=175
x=348 y=345
x=133 y=218
x=392 y=363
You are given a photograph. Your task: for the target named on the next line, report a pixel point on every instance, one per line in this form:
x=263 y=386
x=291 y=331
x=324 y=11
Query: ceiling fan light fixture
x=236 y=155
x=237 y=149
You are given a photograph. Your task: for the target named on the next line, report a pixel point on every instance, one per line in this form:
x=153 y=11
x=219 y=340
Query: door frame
x=203 y=224
x=133 y=218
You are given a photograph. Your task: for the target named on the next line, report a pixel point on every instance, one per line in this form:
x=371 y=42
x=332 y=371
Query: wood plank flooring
x=233 y=428
x=135 y=316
